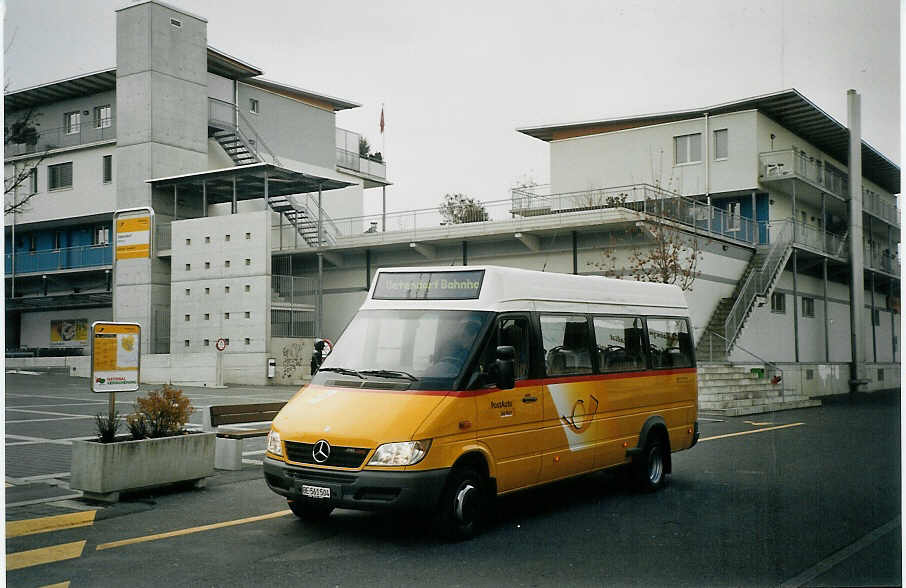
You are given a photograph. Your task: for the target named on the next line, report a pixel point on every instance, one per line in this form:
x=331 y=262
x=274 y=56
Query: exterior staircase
x=728 y=390
x=304 y=221
x=235 y=145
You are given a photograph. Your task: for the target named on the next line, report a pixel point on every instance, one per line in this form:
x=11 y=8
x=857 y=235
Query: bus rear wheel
x=462 y=505
x=650 y=468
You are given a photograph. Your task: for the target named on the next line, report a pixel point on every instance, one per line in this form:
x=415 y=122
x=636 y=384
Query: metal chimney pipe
x=856 y=258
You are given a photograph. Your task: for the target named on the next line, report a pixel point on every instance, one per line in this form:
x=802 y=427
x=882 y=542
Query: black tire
x=310 y=511
x=650 y=468
x=463 y=504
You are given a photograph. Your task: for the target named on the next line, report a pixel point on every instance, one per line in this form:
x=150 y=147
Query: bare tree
x=458 y=208
x=22 y=131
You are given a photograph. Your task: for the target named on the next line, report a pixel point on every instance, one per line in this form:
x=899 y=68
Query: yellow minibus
x=451 y=386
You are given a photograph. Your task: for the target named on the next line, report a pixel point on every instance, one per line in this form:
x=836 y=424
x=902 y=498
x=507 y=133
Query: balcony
x=881 y=206
x=882 y=260
x=792 y=163
x=46 y=139
x=349 y=157
x=67 y=258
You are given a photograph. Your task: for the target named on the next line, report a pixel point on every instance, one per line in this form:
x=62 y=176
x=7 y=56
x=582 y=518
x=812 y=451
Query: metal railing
x=815 y=237
x=163 y=236
x=45 y=139
x=885 y=261
x=348 y=155
x=778 y=165
x=881 y=206
x=757 y=282
x=293 y=290
x=226 y=115
x=81 y=256
x=286 y=236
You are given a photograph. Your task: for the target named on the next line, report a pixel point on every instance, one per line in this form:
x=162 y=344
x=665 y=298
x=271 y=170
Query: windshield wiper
x=342 y=370
x=390 y=374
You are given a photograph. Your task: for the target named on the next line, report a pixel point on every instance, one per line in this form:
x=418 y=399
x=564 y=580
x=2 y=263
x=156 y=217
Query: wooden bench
x=228 y=452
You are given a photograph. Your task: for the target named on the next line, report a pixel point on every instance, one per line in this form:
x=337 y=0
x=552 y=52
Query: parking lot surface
x=798 y=498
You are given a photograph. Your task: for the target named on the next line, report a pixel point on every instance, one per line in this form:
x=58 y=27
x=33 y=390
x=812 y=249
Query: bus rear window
x=463 y=285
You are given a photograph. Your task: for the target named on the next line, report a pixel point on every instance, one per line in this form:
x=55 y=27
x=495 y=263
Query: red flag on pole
x=382 y=119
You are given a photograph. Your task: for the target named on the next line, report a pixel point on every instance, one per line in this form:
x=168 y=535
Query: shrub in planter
x=162 y=413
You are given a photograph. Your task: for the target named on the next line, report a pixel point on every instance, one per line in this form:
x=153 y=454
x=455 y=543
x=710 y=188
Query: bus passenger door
x=509 y=420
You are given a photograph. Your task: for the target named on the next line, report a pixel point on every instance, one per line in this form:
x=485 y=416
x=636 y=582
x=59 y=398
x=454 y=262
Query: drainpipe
x=707 y=141
x=856 y=259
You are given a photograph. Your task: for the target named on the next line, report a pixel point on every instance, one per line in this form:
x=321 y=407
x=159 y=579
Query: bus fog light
x=273 y=443
x=403 y=453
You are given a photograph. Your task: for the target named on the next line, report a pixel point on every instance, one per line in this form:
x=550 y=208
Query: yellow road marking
x=47 y=524
x=754 y=424
x=36 y=557
x=190 y=530
x=751 y=432
x=60 y=585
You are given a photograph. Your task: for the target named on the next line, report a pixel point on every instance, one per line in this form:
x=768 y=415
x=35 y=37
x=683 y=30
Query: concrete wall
x=240 y=314
x=646 y=154
x=291 y=128
x=293 y=358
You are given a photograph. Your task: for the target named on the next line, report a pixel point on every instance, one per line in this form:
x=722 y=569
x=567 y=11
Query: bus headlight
x=273 y=443
x=404 y=453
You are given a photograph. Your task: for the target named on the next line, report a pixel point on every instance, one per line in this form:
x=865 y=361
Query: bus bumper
x=360 y=490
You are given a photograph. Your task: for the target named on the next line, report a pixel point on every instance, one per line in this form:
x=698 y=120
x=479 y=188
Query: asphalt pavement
x=799 y=498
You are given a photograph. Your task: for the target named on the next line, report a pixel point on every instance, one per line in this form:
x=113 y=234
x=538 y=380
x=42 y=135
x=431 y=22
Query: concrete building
x=760 y=184
x=228 y=161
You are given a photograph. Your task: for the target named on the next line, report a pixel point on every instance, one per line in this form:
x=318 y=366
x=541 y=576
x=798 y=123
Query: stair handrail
x=329 y=230
x=757 y=282
x=259 y=143
x=770 y=367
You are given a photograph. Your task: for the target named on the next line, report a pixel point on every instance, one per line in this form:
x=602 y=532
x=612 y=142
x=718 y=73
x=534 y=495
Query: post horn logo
x=580 y=419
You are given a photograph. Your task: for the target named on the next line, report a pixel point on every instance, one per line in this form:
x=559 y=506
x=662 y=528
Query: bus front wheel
x=462 y=504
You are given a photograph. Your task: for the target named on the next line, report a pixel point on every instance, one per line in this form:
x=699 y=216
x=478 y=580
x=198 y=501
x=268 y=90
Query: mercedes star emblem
x=321 y=451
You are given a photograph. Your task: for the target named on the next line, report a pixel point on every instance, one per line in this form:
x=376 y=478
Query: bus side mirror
x=505 y=372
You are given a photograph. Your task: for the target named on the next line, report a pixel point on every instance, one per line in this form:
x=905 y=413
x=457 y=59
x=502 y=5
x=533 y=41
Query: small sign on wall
x=133 y=233
x=115 y=357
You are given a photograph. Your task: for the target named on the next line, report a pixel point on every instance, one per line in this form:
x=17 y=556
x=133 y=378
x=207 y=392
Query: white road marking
x=841 y=555
x=259 y=452
x=72 y=418
x=25 y=373
x=710 y=420
x=253 y=461
x=43 y=500
x=36 y=440
x=47 y=412
x=37 y=478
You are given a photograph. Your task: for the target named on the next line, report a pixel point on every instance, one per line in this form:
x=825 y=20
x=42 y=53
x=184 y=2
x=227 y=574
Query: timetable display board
x=133 y=236
x=115 y=357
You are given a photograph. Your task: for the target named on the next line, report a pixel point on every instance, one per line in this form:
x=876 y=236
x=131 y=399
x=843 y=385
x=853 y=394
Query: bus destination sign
x=454 y=285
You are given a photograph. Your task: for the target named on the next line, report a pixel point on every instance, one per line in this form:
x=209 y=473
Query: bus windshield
x=427 y=347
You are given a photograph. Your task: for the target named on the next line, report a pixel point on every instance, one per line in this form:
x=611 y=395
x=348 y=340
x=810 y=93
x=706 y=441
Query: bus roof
x=500 y=287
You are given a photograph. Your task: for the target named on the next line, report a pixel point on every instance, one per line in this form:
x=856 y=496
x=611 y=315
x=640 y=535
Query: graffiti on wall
x=296 y=359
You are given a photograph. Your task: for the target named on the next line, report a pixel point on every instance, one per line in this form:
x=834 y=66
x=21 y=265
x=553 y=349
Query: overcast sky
x=457 y=78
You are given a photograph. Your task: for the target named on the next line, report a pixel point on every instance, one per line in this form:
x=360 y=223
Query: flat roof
x=335 y=103
x=789 y=108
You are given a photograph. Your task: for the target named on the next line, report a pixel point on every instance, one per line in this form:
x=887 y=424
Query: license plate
x=315 y=491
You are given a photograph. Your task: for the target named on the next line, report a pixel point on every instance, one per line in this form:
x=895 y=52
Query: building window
x=207 y=290
x=101 y=235
x=188 y=267
x=188 y=318
x=107 y=167
x=253 y=106
x=33 y=181
x=248 y=314
x=207 y=342
x=876 y=317
x=103 y=116
x=188 y=291
x=72 y=122
x=207 y=239
x=59 y=176
x=176 y=23
x=880 y=374
x=207 y=316
x=226 y=316
x=226 y=237
x=687 y=148
x=248 y=261
x=734 y=216
x=226 y=263
x=809 y=374
x=188 y=241
x=207 y=265
x=248 y=341
x=248 y=288
x=32 y=243
x=721 y=146
x=226 y=341
x=186 y=342
x=808 y=307
x=248 y=235
x=226 y=289
x=778 y=303
x=57 y=239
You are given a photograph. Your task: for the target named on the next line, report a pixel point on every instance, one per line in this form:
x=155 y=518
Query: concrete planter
x=103 y=470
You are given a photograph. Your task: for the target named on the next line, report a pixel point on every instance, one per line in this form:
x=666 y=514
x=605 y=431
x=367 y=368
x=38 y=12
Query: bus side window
x=566 y=345
x=508 y=331
x=670 y=343
x=620 y=343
